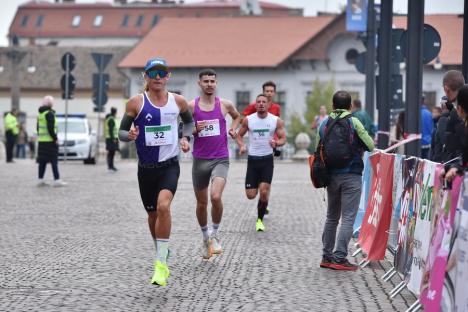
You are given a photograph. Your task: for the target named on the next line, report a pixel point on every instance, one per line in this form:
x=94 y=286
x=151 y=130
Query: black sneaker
x=326 y=262
x=343 y=265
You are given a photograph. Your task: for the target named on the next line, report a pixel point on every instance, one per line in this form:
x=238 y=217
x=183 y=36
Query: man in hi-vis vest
x=48 y=142
x=111 y=130
x=11 y=133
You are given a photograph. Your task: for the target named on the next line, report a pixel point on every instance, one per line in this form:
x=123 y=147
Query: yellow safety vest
x=11 y=123
x=106 y=127
x=43 y=133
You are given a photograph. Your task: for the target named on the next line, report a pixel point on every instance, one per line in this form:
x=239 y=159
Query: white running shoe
x=41 y=183
x=216 y=245
x=59 y=183
x=207 y=249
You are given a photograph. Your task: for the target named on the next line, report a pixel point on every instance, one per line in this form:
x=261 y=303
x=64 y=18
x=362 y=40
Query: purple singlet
x=211 y=142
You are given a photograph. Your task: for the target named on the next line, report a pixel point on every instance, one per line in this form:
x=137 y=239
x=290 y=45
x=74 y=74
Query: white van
x=81 y=139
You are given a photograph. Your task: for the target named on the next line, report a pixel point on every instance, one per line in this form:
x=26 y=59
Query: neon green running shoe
x=259 y=226
x=161 y=274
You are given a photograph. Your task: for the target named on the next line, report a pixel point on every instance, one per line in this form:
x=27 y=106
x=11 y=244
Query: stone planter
x=302 y=142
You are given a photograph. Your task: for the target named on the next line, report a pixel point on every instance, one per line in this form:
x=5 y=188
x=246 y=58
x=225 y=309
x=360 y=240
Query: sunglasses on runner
x=156 y=72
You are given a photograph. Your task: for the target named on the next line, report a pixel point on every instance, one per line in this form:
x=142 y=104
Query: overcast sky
x=310 y=8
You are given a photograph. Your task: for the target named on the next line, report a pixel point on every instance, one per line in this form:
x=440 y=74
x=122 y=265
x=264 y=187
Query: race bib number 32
x=158 y=135
x=211 y=128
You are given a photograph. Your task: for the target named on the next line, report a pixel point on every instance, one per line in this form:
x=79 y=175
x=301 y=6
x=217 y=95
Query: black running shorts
x=259 y=169
x=153 y=180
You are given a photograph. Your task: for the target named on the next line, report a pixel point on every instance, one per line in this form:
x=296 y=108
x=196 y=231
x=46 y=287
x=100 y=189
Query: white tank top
x=261 y=131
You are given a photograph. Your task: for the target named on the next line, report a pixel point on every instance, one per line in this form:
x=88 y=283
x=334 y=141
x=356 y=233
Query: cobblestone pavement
x=86 y=247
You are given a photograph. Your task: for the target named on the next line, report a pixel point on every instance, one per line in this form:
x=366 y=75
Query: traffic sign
x=432 y=43
x=71 y=62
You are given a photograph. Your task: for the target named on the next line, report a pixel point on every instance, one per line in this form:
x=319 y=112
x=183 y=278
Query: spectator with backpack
x=342 y=139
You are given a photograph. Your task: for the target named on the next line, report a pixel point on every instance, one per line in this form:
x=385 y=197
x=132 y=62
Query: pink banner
x=440 y=247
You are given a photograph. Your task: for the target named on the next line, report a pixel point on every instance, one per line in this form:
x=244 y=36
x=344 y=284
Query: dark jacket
x=455 y=139
x=48 y=151
x=438 y=139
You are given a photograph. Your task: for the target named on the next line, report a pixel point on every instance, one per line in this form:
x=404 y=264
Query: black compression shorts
x=153 y=180
x=259 y=169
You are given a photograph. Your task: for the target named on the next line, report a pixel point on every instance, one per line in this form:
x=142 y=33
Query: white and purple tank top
x=211 y=142
x=158 y=138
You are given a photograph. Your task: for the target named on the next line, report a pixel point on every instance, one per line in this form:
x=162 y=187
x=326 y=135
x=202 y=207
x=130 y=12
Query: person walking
x=344 y=188
x=11 y=133
x=154 y=115
x=111 y=135
x=47 y=142
x=262 y=128
x=21 y=142
x=211 y=156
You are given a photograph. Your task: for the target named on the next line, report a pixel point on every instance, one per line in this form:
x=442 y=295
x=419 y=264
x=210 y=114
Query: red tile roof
x=226 y=42
x=450 y=28
x=57 y=17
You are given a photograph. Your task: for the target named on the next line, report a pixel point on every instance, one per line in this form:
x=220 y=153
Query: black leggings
x=42 y=168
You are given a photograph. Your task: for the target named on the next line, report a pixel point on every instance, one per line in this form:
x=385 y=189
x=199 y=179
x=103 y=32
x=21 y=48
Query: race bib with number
x=261 y=134
x=158 y=135
x=211 y=128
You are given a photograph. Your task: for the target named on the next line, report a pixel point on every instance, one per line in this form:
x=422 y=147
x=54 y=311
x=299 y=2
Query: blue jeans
x=20 y=150
x=344 y=192
x=42 y=168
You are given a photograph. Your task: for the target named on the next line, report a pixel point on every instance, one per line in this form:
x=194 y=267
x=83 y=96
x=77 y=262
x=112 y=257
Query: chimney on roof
x=120 y=1
x=250 y=7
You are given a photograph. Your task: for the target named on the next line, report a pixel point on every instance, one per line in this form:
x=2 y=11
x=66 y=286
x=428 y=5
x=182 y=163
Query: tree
x=322 y=93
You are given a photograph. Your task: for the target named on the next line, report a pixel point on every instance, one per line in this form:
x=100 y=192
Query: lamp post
x=15 y=55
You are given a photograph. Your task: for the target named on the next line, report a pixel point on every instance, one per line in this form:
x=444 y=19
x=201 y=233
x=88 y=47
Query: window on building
x=40 y=20
x=125 y=20
x=280 y=98
x=76 y=21
x=139 y=21
x=155 y=20
x=242 y=100
x=98 y=21
x=24 y=20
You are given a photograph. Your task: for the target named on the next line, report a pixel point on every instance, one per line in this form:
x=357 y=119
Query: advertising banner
x=374 y=230
x=356 y=15
x=423 y=207
x=396 y=195
x=366 y=182
x=402 y=261
x=435 y=285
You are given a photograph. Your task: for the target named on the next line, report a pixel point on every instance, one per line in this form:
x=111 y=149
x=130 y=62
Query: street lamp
x=14 y=56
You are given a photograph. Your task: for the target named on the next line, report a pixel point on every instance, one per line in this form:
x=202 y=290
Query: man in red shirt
x=269 y=89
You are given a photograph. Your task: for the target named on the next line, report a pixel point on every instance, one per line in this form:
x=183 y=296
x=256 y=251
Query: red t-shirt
x=274 y=109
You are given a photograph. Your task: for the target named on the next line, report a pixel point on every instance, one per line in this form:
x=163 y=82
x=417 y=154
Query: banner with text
x=423 y=208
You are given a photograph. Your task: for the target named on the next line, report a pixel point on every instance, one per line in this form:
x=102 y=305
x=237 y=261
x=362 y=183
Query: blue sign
x=356 y=15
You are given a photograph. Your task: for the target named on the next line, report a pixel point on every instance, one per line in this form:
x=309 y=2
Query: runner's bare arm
x=240 y=134
x=280 y=132
x=126 y=132
x=236 y=117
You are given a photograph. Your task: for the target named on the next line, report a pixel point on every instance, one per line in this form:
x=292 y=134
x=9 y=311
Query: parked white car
x=81 y=139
